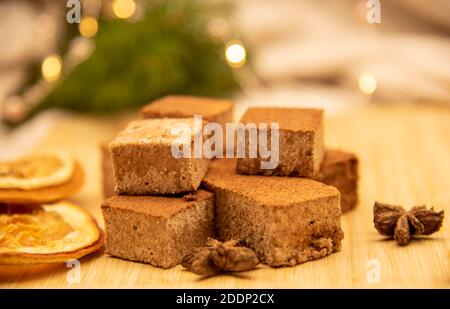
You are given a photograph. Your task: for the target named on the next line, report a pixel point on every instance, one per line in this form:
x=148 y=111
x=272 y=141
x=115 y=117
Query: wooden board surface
x=405 y=159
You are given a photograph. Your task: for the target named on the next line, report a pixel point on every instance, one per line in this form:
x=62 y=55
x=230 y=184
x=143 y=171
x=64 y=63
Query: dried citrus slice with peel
x=50 y=233
x=36 y=171
x=47 y=194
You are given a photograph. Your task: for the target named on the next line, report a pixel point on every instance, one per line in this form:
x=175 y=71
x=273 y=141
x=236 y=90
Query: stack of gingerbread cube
x=163 y=206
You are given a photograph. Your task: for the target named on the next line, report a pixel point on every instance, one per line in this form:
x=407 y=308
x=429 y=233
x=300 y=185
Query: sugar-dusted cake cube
x=340 y=169
x=179 y=106
x=155 y=229
x=301 y=146
x=143 y=161
x=286 y=220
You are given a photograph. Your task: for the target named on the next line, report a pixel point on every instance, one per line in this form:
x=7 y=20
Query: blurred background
x=126 y=53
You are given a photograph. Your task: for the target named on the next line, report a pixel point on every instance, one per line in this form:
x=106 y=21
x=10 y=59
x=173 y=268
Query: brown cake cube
x=178 y=106
x=340 y=169
x=301 y=147
x=155 y=229
x=286 y=220
x=143 y=161
x=107 y=172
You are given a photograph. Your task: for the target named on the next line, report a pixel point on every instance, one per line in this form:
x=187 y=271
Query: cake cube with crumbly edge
x=181 y=106
x=158 y=230
x=143 y=162
x=285 y=220
x=301 y=145
x=340 y=169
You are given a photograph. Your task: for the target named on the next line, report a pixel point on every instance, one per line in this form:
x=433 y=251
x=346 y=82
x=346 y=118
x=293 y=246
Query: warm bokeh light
x=88 y=27
x=367 y=83
x=124 y=8
x=51 y=68
x=235 y=54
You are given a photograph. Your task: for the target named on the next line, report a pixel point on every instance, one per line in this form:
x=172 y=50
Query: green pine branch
x=169 y=51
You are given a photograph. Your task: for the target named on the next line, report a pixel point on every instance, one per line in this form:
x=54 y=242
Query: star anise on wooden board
x=390 y=220
x=218 y=257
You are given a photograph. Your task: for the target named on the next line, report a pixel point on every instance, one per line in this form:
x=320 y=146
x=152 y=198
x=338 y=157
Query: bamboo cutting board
x=404 y=153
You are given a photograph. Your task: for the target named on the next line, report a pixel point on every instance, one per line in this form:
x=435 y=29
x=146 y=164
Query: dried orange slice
x=36 y=171
x=39 y=179
x=49 y=233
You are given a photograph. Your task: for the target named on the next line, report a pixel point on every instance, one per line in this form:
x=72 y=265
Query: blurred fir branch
x=168 y=51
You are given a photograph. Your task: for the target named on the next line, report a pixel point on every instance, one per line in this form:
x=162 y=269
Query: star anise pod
x=200 y=263
x=390 y=220
x=217 y=257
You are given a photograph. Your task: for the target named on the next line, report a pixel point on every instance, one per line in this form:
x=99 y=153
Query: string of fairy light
x=52 y=65
x=55 y=66
x=88 y=27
